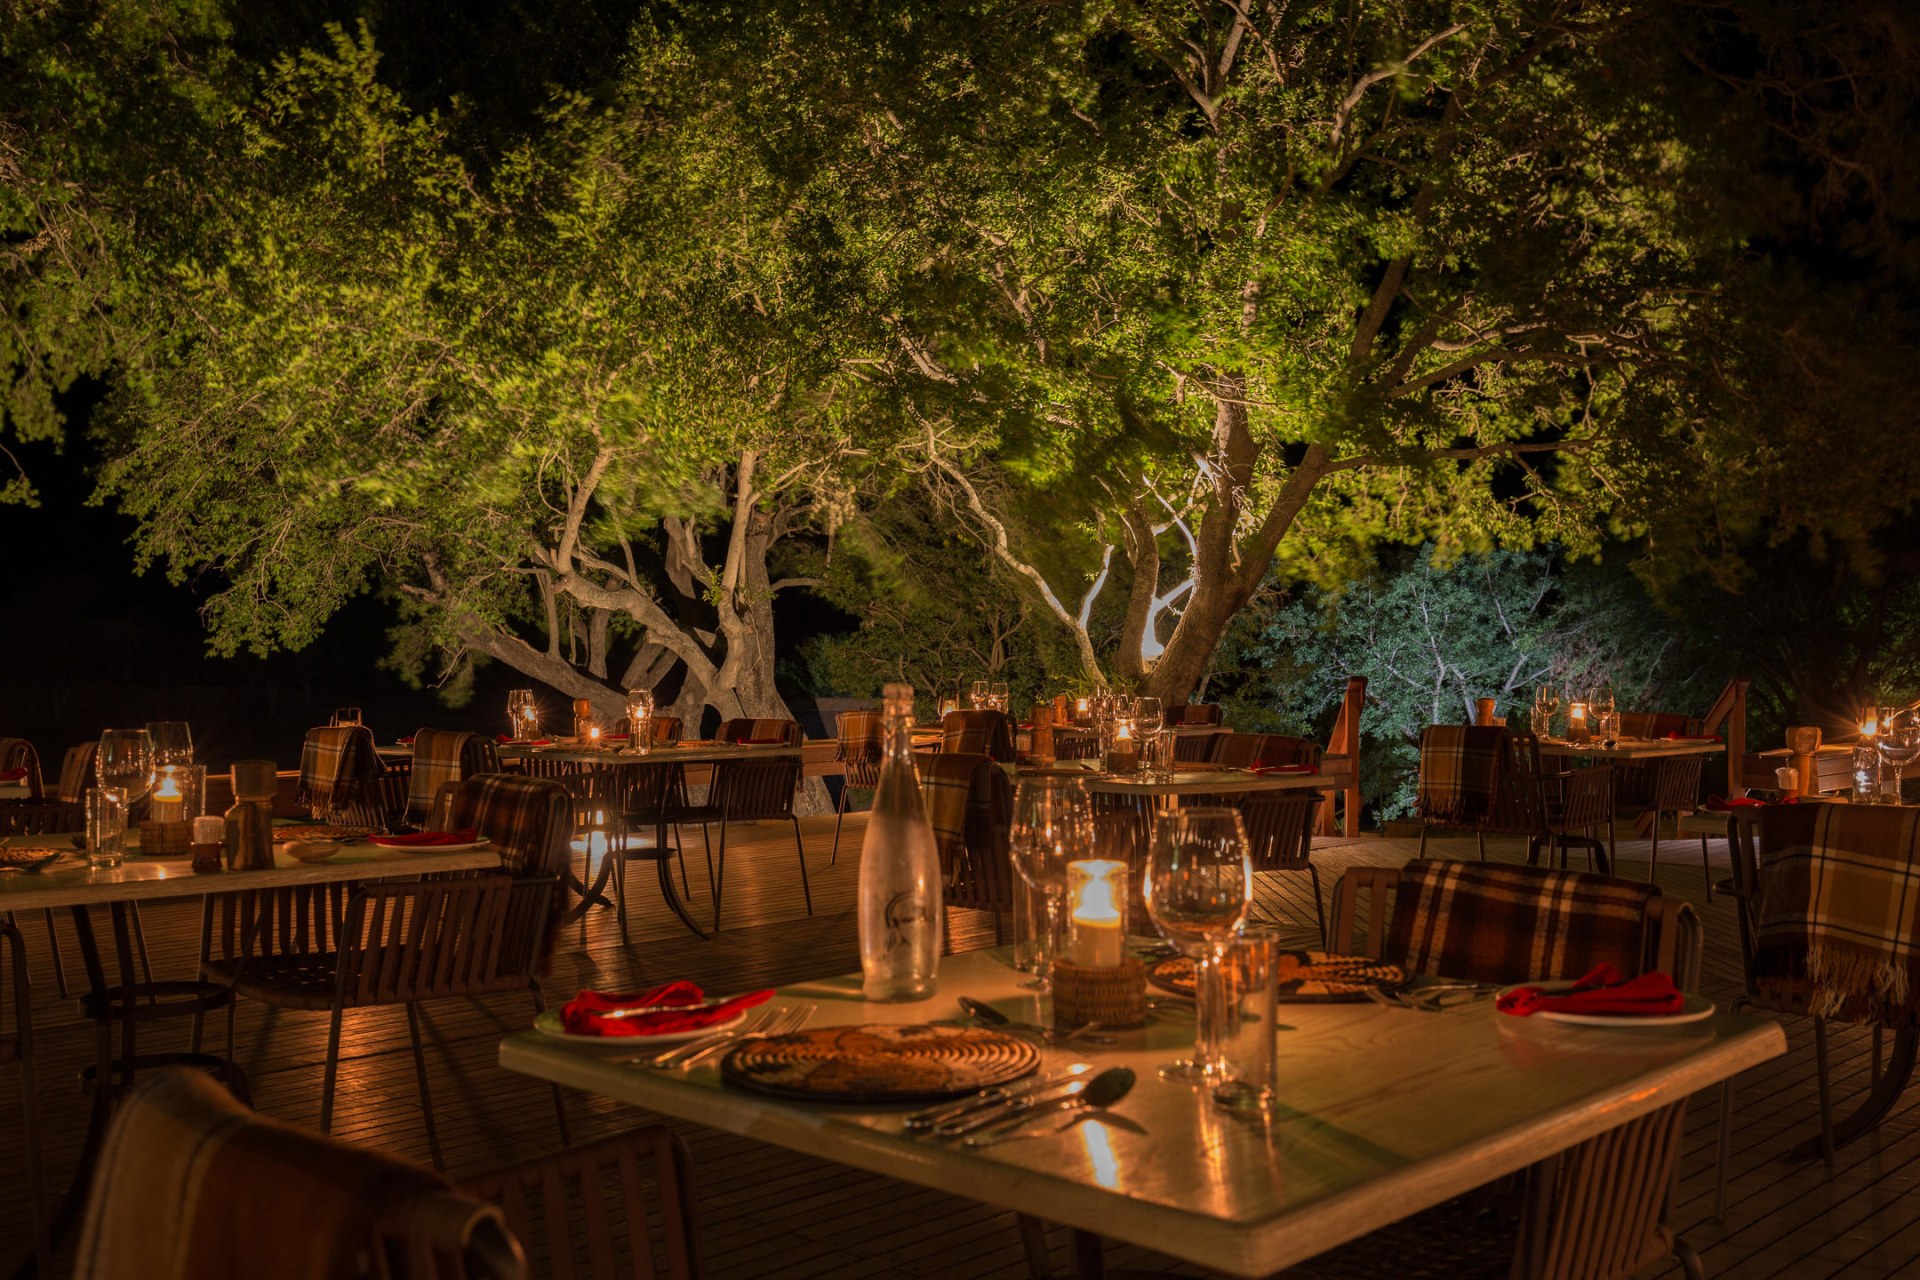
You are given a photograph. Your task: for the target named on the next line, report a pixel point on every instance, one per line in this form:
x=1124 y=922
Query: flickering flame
x=1094 y=900
x=169 y=788
x=1123 y=730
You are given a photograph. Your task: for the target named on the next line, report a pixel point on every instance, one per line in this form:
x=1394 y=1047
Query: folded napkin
x=616 y=737
x=585 y=1014
x=1603 y=992
x=13 y=775
x=1693 y=737
x=405 y=742
x=427 y=839
x=1281 y=768
x=1724 y=804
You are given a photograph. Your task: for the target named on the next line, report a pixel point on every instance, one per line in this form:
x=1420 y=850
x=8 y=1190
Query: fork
x=665 y=1056
x=787 y=1021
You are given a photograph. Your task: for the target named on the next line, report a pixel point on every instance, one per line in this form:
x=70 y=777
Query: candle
x=1577 y=722
x=1096 y=892
x=593 y=736
x=169 y=801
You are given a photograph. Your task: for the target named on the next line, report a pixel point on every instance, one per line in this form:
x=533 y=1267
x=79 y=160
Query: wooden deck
x=770 y=1212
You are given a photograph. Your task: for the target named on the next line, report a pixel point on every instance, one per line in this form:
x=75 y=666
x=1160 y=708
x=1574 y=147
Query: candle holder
x=1579 y=726
x=1123 y=749
x=170 y=839
x=1094 y=979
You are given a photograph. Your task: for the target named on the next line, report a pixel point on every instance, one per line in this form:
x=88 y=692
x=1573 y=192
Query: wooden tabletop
x=72 y=883
x=676 y=753
x=1384 y=1111
x=1184 y=782
x=1630 y=749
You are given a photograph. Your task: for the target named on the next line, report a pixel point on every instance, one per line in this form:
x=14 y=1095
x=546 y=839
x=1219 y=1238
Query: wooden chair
x=750 y=791
x=1674 y=787
x=16 y=1045
x=981 y=733
x=342 y=779
x=76 y=773
x=1560 y=810
x=859 y=755
x=1263 y=750
x=1280 y=838
x=190 y=1178
x=592 y=1212
x=18 y=754
x=441 y=756
x=974 y=842
x=1340 y=763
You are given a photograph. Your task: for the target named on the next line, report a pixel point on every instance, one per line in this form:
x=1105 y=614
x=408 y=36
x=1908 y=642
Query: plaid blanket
x=964 y=804
x=1839 y=910
x=529 y=822
x=340 y=775
x=978 y=733
x=786 y=732
x=1460 y=773
x=191 y=1185
x=441 y=756
x=18 y=753
x=1491 y=923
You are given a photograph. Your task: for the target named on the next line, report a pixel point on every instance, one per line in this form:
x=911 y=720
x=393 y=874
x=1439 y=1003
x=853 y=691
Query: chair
x=342 y=778
x=76 y=771
x=750 y=791
x=17 y=1046
x=405 y=943
x=1553 y=810
x=1674 y=787
x=586 y=1212
x=1280 y=838
x=979 y=733
x=1262 y=750
x=860 y=750
x=191 y=1183
x=51 y=817
x=970 y=807
x=17 y=754
x=1463 y=782
x=1194 y=713
x=441 y=756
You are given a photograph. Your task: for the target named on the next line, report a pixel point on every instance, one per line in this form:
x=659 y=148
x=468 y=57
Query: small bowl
x=311 y=850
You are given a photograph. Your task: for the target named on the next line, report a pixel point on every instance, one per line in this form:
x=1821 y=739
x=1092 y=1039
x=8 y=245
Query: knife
x=981 y=1011
x=992 y=1097
x=996 y=1113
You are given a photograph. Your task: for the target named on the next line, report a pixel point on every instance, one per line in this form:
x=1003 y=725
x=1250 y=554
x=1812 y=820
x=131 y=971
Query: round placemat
x=316 y=831
x=879 y=1064
x=1305 y=977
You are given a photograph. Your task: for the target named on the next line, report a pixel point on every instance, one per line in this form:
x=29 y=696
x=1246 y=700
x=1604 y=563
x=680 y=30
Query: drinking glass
x=1899 y=744
x=106 y=816
x=124 y=765
x=1546 y=705
x=345 y=715
x=1600 y=703
x=1148 y=720
x=1250 y=977
x=1052 y=826
x=997 y=696
x=640 y=719
x=172 y=742
x=981 y=692
x=1198 y=888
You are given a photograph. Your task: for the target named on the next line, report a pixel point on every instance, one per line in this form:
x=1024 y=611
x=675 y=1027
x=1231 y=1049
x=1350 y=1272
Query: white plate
x=1696 y=1008
x=430 y=848
x=548 y=1023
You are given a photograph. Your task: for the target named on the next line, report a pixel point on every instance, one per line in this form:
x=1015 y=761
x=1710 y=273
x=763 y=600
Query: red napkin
x=1604 y=992
x=427 y=839
x=764 y=742
x=13 y=775
x=405 y=742
x=583 y=1015
x=1281 y=768
x=615 y=737
x=1722 y=804
x=1693 y=737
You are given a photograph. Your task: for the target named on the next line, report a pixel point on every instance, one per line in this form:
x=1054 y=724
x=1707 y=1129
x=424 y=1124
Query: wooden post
x=1730 y=709
x=1345 y=742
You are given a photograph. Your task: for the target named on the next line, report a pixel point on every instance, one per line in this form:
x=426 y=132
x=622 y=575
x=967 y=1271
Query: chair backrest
x=666 y=729
x=1676 y=784
x=785 y=733
x=441 y=756
x=76 y=773
x=295 y=920
x=1279 y=828
x=40 y=818
x=18 y=753
x=190 y=1182
x=756 y=790
x=970 y=806
x=978 y=733
x=529 y=821
x=1494 y=923
x=1656 y=724
x=1194 y=713
x=603 y=1210
x=427 y=940
x=1263 y=750
x=1462 y=770
x=861 y=746
x=341 y=776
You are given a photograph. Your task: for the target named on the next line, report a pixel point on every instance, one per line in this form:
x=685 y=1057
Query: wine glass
x=1546 y=705
x=997 y=696
x=1148 y=721
x=518 y=700
x=172 y=742
x=1899 y=746
x=1198 y=888
x=1602 y=705
x=124 y=765
x=978 y=698
x=1052 y=826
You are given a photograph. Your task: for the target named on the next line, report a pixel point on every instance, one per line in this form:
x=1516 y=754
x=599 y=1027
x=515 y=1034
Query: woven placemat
x=879 y=1064
x=1306 y=977
x=316 y=831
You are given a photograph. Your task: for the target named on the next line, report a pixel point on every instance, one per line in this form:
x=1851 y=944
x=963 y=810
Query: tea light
x=169 y=799
x=593 y=736
x=1096 y=888
x=1577 y=722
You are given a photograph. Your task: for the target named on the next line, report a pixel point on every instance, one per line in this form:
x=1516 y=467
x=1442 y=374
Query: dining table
x=1380 y=1112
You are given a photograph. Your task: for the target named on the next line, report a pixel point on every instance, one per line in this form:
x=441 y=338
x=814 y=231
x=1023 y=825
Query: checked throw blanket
x=340 y=775
x=960 y=796
x=528 y=822
x=1491 y=923
x=1839 y=909
x=742 y=731
x=978 y=733
x=1460 y=773
x=441 y=756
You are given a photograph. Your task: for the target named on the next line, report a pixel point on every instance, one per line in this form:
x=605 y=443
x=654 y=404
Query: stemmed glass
x=1052 y=826
x=172 y=742
x=1148 y=721
x=124 y=768
x=640 y=719
x=1199 y=886
x=978 y=698
x=1546 y=704
x=997 y=695
x=1602 y=706
x=1899 y=746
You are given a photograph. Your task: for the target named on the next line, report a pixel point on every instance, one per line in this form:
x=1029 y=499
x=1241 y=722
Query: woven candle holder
x=1123 y=761
x=165 y=839
x=1111 y=995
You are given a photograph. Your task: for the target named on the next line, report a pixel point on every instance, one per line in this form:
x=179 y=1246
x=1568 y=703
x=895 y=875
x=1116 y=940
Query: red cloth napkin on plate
x=1603 y=992
x=1281 y=768
x=1693 y=737
x=405 y=742
x=584 y=1014
x=13 y=775
x=1721 y=804
x=427 y=839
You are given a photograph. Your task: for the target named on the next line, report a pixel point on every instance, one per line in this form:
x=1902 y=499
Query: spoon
x=1100 y=1092
x=982 y=1012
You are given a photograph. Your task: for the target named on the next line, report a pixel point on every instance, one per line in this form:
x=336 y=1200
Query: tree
x=1241 y=290
x=573 y=411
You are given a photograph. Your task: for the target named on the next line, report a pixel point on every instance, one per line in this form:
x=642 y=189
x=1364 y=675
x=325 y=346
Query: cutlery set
x=767 y=1022
x=1000 y=1114
x=1434 y=999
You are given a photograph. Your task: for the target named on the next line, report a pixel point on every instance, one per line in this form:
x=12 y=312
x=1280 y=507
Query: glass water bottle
x=899 y=871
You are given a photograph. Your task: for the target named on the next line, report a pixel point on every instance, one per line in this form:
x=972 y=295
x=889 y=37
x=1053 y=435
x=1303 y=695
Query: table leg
x=1880 y=1098
x=591 y=895
x=667 y=891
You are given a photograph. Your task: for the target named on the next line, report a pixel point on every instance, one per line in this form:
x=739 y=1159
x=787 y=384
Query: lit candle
x=1096 y=891
x=1577 y=722
x=1081 y=706
x=169 y=801
x=593 y=736
x=1123 y=730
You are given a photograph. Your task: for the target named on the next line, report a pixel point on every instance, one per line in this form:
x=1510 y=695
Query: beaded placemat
x=1305 y=977
x=879 y=1064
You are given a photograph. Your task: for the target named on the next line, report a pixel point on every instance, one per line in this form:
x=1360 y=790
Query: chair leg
x=1653 y=853
x=332 y=1072
x=420 y=1073
x=1826 y=1090
x=559 y=1098
x=839 y=816
x=1423 y=841
x=1721 y=1150
x=59 y=963
x=1480 y=838
x=29 y=1095
x=1319 y=910
x=800 y=850
x=1706 y=867
x=620 y=893
x=719 y=879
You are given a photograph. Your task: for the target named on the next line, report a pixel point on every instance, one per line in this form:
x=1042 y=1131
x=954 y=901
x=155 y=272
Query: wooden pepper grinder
x=1803 y=740
x=248 y=836
x=582 y=718
x=1040 y=740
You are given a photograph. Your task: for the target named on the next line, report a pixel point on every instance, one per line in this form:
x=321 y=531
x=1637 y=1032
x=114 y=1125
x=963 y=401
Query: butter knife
x=998 y=1094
